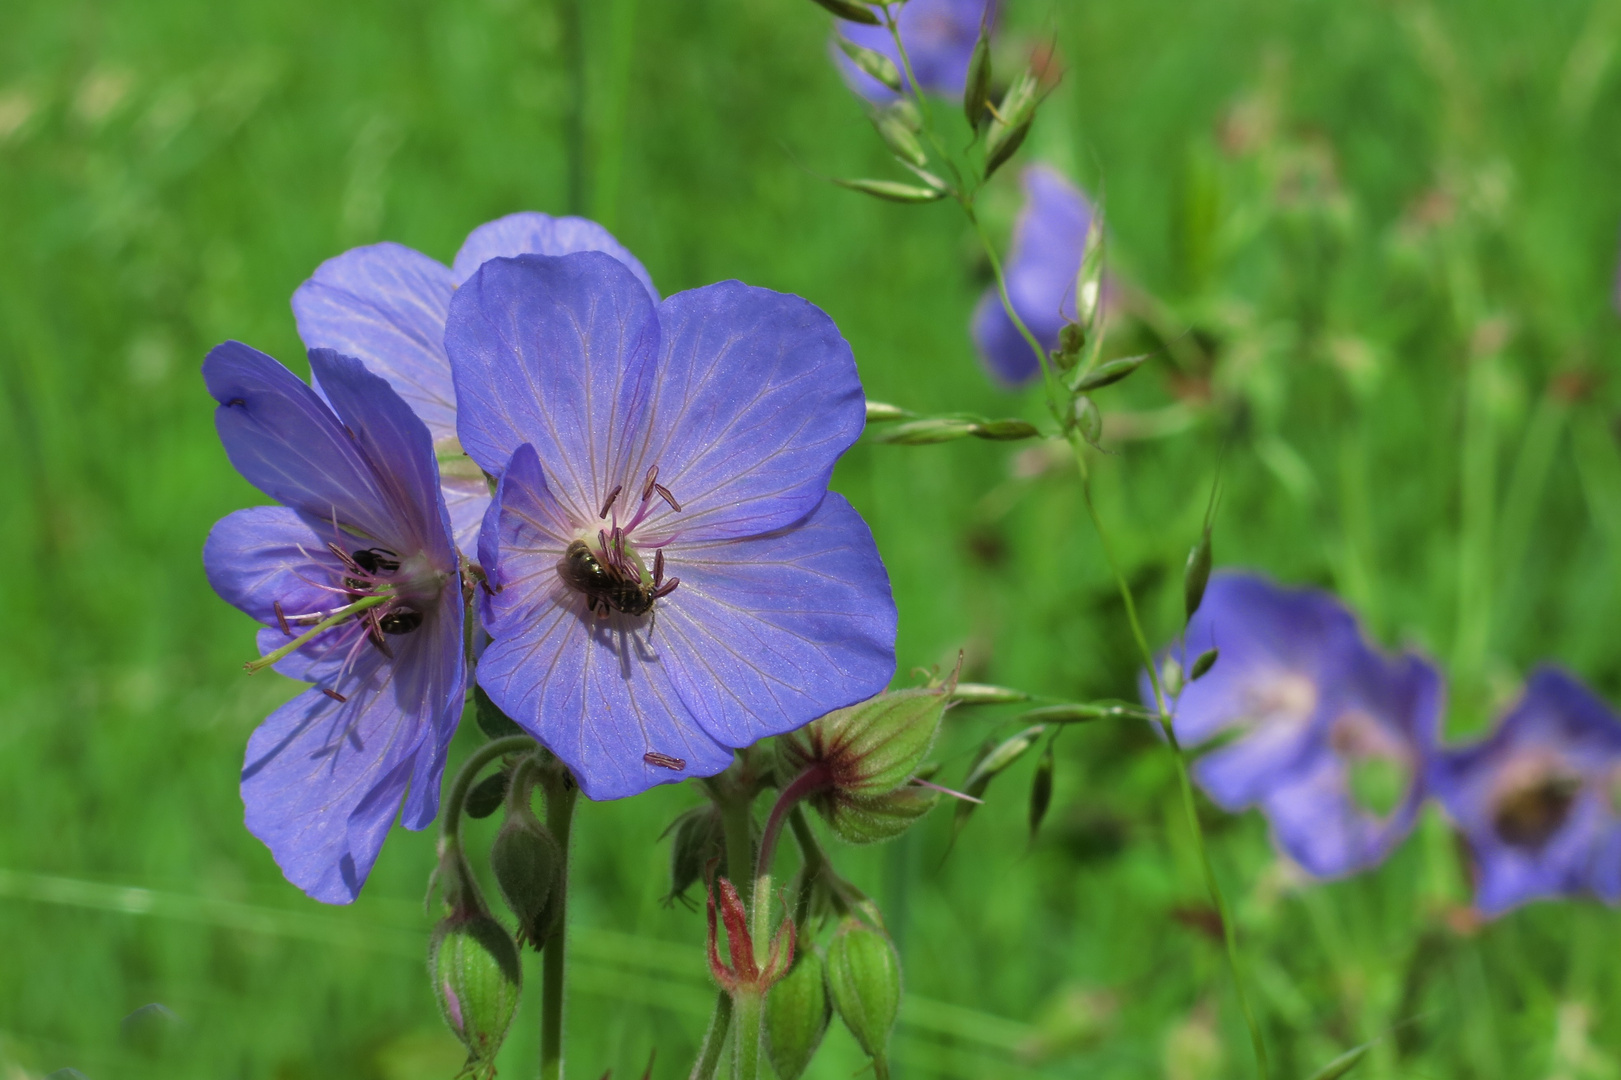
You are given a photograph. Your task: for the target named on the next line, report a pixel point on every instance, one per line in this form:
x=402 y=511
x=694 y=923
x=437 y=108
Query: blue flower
x=672 y=577
x=362 y=530
x=1536 y=798
x=939 y=36
x=1314 y=714
x=1049 y=241
x=385 y=305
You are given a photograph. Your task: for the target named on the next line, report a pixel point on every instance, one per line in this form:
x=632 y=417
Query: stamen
x=281 y=619
x=348 y=610
x=666 y=589
x=664 y=493
x=612 y=495
x=333 y=694
x=658 y=567
x=664 y=761
x=652 y=482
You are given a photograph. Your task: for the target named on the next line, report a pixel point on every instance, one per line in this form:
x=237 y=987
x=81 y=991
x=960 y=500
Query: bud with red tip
x=745 y=975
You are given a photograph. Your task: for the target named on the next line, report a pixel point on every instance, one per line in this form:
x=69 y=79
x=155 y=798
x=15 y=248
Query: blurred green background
x=1382 y=236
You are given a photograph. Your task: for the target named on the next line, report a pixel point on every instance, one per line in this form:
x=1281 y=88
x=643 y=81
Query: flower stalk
x=561 y=794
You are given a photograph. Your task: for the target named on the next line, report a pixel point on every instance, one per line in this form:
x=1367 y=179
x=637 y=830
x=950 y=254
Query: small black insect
x=614 y=582
x=376 y=560
x=664 y=761
x=399 y=620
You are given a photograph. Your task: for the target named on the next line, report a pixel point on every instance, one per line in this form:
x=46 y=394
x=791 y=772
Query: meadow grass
x=1383 y=241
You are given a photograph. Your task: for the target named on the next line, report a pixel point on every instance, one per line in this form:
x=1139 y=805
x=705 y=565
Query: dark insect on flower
x=664 y=761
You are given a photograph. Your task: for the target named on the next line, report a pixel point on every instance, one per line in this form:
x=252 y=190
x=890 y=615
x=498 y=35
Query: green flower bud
x=1109 y=373
x=487 y=795
x=871 y=61
x=976 y=91
x=476 y=979
x=1012 y=123
x=892 y=191
x=899 y=136
x=864 y=981
x=1041 y=790
x=528 y=866
x=986 y=694
x=884 y=817
x=872 y=748
x=1197 y=574
x=1206 y=660
x=697 y=838
x=851 y=10
x=797 y=1013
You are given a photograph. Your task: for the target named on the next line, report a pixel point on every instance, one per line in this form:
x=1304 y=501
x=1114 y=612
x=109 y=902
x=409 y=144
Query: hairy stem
x=714 y=1043
x=749 y=1011
x=1189 y=805
x=737 y=821
x=561 y=793
x=812 y=780
x=450 y=825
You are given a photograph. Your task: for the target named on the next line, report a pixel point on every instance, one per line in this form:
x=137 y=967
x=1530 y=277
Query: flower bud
x=1088 y=421
x=851 y=10
x=1197 y=574
x=976 y=91
x=528 y=866
x=986 y=694
x=872 y=748
x=871 y=61
x=879 y=411
x=487 y=795
x=697 y=838
x=864 y=981
x=1109 y=373
x=1012 y=123
x=1170 y=677
x=898 y=135
x=930 y=429
x=892 y=191
x=1041 y=790
x=797 y=1013
x=992 y=762
x=883 y=817
x=1205 y=661
x=1005 y=430
x=476 y=979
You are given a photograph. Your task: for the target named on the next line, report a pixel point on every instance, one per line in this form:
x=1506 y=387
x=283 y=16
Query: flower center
x=1534 y=805
x=1377 y=762
x=607 y=569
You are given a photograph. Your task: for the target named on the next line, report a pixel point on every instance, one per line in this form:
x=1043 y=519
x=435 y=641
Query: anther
x=666 y=589
x=281 y=619
x=664 y=493
x=652 y=482
x=608 y=505
x=658 y=567
x=333 y=694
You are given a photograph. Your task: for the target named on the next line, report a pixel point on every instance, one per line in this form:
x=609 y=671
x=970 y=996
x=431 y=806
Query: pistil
x=343 y=614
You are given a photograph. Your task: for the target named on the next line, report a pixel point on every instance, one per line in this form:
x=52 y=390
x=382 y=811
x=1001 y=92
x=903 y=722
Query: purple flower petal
x=1049 y=242
x=531 y=233
x=379 y=420
x=1003 y=349
x=285 y=441
x=557 y=352
x=385 y=305
x=326 y=773
x=582 y=686
x=758 y=394
x=1535 y=797
x=323 y=781
x=939 y=37
x=765 y=634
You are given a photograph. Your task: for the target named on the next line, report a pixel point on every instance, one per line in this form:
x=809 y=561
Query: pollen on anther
x=609 y=502
x=281 y=618
x=664 y=493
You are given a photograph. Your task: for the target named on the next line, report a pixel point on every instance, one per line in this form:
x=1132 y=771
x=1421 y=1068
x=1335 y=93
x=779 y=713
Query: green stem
x=959 y=189
x=450 y=825
x=714 y=1043
x=1049 y=377
x=1189 y=805
x=574 y=132
x=561 y=793
x=737 y=821
x=749 y=1009
x=348 y=611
